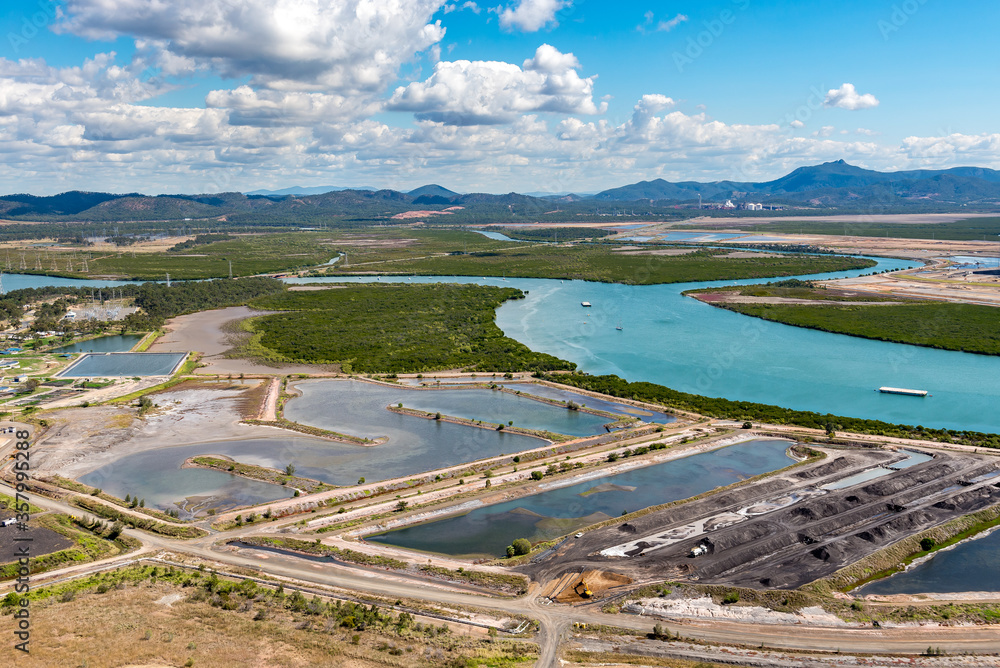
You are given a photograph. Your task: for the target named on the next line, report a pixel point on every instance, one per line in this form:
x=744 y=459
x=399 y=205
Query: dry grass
x=133 y=626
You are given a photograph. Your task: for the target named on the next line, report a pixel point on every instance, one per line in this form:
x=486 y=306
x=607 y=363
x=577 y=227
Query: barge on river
x=904 y=391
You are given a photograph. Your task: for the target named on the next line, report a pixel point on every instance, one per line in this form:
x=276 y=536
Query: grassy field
x=970 y=229
x=599 y=263
x=966 y=327
x=394 y=328
x=165 y=616
x=250 y=254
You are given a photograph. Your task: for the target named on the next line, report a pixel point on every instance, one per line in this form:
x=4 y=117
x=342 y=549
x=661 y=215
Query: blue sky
x=211 y=95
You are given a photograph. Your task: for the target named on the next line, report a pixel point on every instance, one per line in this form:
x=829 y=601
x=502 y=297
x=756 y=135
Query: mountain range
x=831 y=185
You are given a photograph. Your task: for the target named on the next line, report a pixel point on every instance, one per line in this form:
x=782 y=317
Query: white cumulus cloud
x=531 y=15
x=464 y=92
x=348 y=45
x=666 y=25
x=847 y=97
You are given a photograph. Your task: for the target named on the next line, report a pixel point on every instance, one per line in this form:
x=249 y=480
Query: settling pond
x=487 y=531
x=103 y=365
x=415 y=444
x=968 y=566
x=105 y=344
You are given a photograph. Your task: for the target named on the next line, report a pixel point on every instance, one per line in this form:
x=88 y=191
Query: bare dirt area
x=406 y=215
x=787 y=530
x=592 y=649
x=591 y=582
x=134 y=631
x=41 y=540
x=206 y=333
x=895 y=218
x=83 y=439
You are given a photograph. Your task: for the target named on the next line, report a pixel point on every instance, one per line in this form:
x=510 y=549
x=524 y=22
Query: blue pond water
x=105 y=344
x=969 y=566
x=977 y=261
x=496 y=236
x=157 y=477
x=123 y=364
x=488 y=531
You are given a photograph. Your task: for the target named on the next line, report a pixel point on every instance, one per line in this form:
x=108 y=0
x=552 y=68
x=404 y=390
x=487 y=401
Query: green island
x=599 y=262
x=394 y=329
x=970 y=328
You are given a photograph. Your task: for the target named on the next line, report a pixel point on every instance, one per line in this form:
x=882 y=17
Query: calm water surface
x=969 y=566
x=123 y=364
x=105 y=344
x=487 y=531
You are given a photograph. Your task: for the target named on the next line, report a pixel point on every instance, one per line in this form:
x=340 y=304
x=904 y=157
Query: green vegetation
x=970 y=328
x=755 y=412
x=307 y=485
x=599 y=263
x=792 y=288
x=249 y=254
x=554 y=234
x=161 y=302
x=152 y=526
x=394 y=328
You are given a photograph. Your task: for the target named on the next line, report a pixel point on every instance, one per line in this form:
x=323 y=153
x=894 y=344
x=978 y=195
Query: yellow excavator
x=586 y=593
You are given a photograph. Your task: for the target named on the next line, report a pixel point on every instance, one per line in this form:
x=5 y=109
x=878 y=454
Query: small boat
x=585 y=304
x=619 y=327
x=903 y=391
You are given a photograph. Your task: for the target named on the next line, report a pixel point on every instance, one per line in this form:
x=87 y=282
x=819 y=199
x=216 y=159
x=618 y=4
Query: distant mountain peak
x=432 y=190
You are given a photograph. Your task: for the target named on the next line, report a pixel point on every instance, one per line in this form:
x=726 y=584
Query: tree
x=290 y=469
x=361 y=480
x=927 y=544
x=510 y=551
x=537 y=475
x=401 y=506
x=521 y=546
